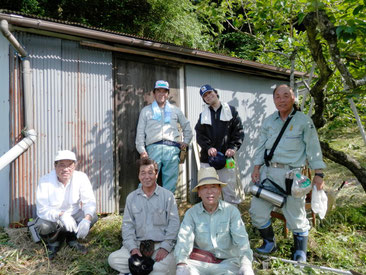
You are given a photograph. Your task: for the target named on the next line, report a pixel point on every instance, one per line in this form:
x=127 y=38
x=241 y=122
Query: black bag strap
x=268 y=157
x=279 y=188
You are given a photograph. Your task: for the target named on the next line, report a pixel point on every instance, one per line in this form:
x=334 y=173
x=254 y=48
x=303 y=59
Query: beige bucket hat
x=208 y=176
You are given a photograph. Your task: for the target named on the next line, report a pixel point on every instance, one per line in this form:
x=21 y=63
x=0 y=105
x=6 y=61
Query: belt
x=168 y=142
x=282 y=165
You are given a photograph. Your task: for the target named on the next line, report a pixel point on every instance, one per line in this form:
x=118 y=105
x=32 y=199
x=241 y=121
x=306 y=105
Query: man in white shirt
x=65 y=205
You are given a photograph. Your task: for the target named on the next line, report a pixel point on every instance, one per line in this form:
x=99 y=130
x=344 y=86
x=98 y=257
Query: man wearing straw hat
x=212 y=238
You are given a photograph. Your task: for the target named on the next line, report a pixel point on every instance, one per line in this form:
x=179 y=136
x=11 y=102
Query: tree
x=171 y=21
x=329 y=33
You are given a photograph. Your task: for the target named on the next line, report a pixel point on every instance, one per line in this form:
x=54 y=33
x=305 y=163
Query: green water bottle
x=230 y=163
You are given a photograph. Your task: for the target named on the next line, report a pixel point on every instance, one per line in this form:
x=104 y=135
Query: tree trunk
x=346 y=161
x=312 y=21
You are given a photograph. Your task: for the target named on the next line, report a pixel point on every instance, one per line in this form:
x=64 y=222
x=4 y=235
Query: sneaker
x=77 y=246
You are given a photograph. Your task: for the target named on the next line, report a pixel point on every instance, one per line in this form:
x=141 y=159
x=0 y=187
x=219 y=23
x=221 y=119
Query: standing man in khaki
x=150 y=214
x=158 y=137
x=298 y=146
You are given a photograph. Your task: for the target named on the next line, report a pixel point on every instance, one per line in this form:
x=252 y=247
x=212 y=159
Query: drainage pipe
x=30 y=136
x=19 y=148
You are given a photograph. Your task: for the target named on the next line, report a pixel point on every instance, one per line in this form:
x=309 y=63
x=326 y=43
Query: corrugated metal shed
x=73 y=109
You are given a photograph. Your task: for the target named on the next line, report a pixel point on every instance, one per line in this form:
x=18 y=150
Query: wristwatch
x=320 y=175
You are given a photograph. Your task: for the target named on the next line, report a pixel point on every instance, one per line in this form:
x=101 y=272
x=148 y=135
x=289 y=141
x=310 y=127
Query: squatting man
x=65 y=205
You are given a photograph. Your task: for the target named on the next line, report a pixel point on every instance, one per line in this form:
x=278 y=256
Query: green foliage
x=237 y=44
x=173 y=21
x=345 y=216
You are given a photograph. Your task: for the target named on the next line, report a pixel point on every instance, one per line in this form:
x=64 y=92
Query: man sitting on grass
x=212 y=239
x=150 y=217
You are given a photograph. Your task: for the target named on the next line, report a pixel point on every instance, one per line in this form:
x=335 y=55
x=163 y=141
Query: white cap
x=161 y=84
x=65 y=154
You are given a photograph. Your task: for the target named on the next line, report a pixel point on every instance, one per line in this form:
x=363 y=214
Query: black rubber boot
x=54 y=241
x=72 y=242
x=300 y=247
x=52 y=249
x=269 y=243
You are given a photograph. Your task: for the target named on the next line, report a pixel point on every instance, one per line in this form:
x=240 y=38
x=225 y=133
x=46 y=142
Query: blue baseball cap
x=218 y=162
x=205 y=88
x=162 y=84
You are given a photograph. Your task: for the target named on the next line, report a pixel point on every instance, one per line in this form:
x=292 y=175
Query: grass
x=338 y=241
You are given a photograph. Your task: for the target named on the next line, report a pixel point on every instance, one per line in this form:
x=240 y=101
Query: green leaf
x=358 y=9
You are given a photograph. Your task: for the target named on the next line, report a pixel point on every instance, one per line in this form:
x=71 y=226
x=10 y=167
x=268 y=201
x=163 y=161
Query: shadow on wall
x=255 y=106
x=134 y=82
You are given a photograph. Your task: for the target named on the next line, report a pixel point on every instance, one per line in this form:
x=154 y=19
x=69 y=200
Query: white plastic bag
x=301 y=184
x=319 y=202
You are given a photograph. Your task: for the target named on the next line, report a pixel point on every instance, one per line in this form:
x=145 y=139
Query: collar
x=293 y=112
x=203 y=210
x=142 y=193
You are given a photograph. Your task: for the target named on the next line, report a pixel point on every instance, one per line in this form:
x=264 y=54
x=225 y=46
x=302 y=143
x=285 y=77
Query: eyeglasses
x=66 y=166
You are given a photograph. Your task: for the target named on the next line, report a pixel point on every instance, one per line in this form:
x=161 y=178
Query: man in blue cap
x=220 y=134
x=158 y=137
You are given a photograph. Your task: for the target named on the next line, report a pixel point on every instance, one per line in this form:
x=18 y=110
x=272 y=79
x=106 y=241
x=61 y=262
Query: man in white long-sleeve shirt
x=65 y=205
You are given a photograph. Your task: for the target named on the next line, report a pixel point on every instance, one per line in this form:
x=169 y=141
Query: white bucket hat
x=65 y=154
x=208 y=176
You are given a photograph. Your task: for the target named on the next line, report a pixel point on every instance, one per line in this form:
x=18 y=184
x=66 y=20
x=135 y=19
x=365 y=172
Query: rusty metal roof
x=161 y=49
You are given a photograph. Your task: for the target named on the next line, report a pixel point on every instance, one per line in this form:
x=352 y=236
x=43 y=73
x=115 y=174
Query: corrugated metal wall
x=73 y=109
x=250 y=95
x=135 y=78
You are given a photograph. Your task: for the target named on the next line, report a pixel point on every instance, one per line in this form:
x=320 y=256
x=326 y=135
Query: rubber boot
x=300 y=247
x=52 y=249
x=54 y=241
x=72 y=242
x=269 y=243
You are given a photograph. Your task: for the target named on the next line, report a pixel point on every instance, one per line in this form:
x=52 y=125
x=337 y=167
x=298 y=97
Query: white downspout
x=30 y=136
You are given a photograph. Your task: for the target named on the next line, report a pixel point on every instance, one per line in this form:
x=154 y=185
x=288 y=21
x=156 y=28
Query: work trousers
x=167 y=158
x=293 y=210
x=118 y=260
x=226 y=267
x=45 y=227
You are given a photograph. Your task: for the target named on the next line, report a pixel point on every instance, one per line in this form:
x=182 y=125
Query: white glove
x=183 y=270
x=83 y=228
x=246 y=270
x=69 y=222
